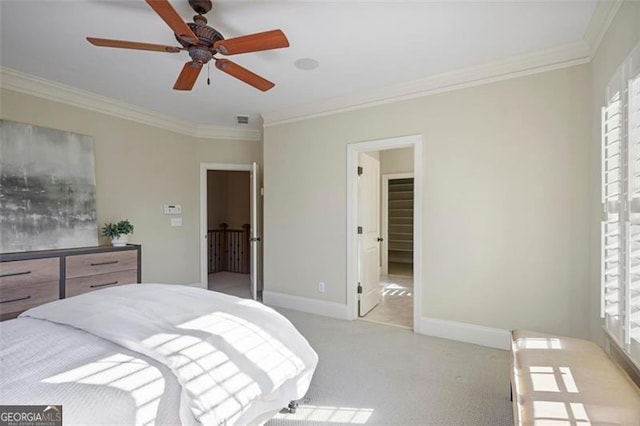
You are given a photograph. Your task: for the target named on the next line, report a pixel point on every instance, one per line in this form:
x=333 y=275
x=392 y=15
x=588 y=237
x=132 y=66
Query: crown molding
x=569 y=55
x=600 y=22
x=35 y=86
x=220 y=132
x=518 y=66
x=532 y=63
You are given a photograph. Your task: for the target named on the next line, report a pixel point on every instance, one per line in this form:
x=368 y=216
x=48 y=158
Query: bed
x=147 y=354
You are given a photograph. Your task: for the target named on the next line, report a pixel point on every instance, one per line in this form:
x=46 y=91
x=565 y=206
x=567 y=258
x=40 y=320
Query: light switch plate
x=176 y=221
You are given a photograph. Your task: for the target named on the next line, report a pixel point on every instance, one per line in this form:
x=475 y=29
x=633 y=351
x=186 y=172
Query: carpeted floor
x=381 y=375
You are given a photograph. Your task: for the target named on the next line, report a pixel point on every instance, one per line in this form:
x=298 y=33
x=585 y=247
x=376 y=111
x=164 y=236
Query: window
x=620 y=239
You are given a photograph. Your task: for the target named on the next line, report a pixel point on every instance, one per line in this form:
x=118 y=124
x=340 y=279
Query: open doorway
x=393 y=300
x=229 y=229
x=228 y=232
x=384 y=210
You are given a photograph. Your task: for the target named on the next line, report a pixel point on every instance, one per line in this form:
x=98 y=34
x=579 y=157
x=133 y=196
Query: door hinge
x=359 y=171
x=359 y=229
x=359 y=289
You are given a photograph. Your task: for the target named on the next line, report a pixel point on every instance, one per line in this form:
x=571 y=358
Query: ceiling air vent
x=242 y=119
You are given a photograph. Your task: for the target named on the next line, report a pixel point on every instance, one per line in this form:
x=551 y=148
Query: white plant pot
x=120 y=241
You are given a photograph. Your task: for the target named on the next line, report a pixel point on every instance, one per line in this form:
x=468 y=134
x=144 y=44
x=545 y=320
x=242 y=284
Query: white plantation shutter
x=620 y=266
x=632 y=290
x=631 y=297
x=612 y=237
x=612 y=151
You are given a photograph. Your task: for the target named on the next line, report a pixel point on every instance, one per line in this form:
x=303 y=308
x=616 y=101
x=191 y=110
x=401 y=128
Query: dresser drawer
x=28 y=283
x=83 y=265
x=15 y=298
x=30 y=271
x=75 y=286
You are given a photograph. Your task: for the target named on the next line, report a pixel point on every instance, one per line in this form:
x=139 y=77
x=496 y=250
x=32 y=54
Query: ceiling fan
x=203 y=43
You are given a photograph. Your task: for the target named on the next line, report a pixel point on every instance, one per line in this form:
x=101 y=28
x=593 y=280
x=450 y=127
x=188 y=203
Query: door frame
x=353 y=149
x=384 y=254
x=204 y=168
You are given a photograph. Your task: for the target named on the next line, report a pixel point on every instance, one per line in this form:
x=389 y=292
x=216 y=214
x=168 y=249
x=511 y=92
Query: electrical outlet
x=320 y=287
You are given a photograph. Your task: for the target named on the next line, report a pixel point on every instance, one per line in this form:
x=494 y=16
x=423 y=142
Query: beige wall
x=396 y=161
x=138 y=169
x=623 y=35
x=506 y=201
x=223 y=151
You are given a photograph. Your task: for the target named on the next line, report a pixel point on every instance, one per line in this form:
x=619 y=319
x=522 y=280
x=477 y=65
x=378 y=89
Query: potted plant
x=118 y=232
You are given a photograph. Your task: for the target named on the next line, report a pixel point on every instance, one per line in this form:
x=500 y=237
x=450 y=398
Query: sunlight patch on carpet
x=328 y=414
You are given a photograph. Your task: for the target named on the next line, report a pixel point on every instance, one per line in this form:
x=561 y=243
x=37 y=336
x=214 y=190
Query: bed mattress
x=154 y=354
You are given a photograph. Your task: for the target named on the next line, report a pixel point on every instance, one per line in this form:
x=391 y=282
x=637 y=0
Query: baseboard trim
x=463 y=332
x=304 y=304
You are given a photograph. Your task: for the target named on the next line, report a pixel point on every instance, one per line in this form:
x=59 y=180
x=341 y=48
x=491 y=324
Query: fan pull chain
x=208 y=68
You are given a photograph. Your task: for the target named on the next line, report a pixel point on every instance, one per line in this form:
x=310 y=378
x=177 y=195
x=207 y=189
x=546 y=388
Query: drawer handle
x=103 y=285
x=104 y=263
x=15 y=300
x=13 y=274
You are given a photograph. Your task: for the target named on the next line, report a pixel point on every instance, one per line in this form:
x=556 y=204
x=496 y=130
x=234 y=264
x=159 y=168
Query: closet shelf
x=400 y=221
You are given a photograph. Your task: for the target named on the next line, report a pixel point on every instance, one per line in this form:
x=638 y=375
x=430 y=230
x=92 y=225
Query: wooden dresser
x=29 y=279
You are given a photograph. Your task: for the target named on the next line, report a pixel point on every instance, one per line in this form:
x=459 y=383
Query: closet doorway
x=384 y=280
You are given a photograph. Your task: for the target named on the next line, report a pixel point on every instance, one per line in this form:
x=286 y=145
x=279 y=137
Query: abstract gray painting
x=47 y=189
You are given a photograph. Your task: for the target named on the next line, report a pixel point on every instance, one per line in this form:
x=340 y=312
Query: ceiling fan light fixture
x=205 y=34
x=201 y=6
x=186 y=40
x=199 y=19
x=200 y=54
x=203 y=42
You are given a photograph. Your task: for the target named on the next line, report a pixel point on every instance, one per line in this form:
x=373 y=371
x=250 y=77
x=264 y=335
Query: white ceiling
x=361 y=46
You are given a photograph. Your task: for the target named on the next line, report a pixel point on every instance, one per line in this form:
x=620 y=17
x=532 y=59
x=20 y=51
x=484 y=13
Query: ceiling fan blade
x=267 y=40
x=188 y=76
x=123 y=44
x=243 y=74
x=173 y=19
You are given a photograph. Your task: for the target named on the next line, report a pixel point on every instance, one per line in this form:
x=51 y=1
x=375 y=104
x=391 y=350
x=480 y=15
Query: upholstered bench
x=561 y=380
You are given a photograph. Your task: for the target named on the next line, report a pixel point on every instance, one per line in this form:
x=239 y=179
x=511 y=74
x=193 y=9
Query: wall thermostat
x=172 y=209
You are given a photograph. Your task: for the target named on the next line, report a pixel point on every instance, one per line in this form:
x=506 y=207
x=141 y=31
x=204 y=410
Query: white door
x=369 y=241
x=255 y=235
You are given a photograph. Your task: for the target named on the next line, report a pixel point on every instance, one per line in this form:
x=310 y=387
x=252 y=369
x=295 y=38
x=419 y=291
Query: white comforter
x=97 y=382
x=234 y=359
